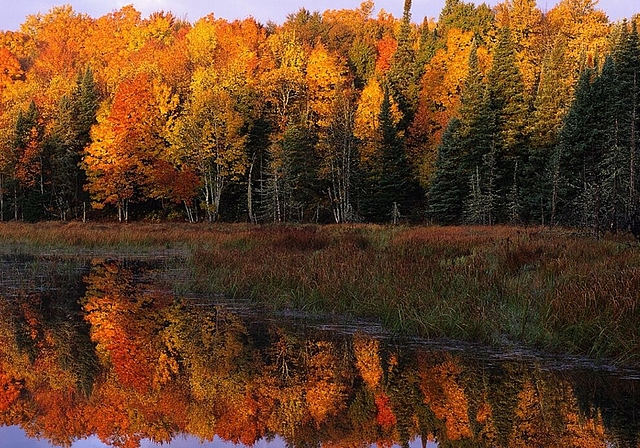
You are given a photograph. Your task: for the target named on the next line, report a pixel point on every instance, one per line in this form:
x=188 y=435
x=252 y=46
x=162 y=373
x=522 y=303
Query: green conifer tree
x=447 y=192
x=509 y=109
x=626 y=55
x=401 y=78
x=551 y=103
x=71 y=133
x=392 y=192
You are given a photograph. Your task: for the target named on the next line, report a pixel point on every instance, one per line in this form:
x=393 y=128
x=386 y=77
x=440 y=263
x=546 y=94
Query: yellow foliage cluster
x=447 y=398
x=367 y=353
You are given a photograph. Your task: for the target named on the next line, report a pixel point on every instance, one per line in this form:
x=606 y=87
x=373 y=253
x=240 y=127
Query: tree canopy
x=503 y=114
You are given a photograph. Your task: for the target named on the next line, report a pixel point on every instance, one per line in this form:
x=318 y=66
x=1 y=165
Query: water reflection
x=117 y=356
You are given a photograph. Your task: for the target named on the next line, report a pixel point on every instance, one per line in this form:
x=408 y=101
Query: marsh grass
x=545 y=288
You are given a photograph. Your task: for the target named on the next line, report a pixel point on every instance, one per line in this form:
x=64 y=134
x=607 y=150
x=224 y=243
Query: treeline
x=485 y=116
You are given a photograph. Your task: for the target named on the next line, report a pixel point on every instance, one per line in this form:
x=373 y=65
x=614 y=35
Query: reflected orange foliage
x=10 y=389
x=446 y=397
x=385 y=416
x=367 y=352
x=123 y=332
x=529 y=426
x=169 y=367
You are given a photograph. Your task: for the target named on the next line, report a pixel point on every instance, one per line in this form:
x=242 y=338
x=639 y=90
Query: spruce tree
x=626 y=55
x=390 y=186
x=573 y=169
x=447 y=190
x=611 y=185
x=477 y=135
x=71 y=133
x=550 y=106
x=403 y=84
x=303 y=186
x=509 y=109
x=28 y=188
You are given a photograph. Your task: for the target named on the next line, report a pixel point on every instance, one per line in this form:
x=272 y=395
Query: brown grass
x=541 y=287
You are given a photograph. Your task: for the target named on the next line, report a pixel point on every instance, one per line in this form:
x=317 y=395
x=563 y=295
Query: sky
x=13 y=12
x=13 y=437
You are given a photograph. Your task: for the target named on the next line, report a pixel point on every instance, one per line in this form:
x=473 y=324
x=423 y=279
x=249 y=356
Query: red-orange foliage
x=385 y=416
x=119 y=326
x=10 y=390
x=10 y=69
x=386 y=48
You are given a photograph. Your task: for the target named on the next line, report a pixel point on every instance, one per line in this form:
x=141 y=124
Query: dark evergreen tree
x=626 y=55
x=464 y=183
x=574 y=165
x=390 y=189
x=71 y=133
x=306 y=192
x=447 y=192
x=550 y=106
x=509 y=111
x=28 y=185
x=477 y=176
x=401 y=78
x=591 y=165
x=611 y=186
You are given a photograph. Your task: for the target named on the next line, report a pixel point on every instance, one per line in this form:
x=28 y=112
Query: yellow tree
x=283 y=78
x=202 y=42
x=208 y=136
x=584 y=28
x=283 y=86
x=331 y=113
x=111 y=47
x=525 y=21
x=61 y=38
x=367 y=119
x=439 y=100
x=122 y=161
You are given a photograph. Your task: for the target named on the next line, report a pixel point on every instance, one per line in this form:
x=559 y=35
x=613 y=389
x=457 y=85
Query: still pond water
x=121 y=352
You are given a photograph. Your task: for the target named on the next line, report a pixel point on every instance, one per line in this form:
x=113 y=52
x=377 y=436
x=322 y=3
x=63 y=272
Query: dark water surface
x=122 y=353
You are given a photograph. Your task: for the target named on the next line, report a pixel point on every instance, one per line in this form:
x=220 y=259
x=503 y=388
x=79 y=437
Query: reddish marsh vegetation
x=547 y=288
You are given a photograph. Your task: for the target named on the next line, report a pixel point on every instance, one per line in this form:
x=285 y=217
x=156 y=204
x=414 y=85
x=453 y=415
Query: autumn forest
x=503 y=115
